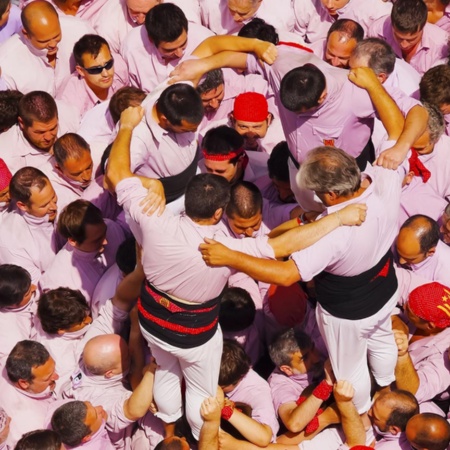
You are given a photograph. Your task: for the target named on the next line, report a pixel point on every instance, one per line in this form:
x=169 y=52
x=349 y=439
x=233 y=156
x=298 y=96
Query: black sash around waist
x=175 y=185
x=360 y=296
x=177 y=323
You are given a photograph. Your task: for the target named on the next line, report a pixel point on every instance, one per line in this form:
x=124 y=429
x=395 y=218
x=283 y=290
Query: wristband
x=322 y=391
x=299 y=221
x=300 y=400
x=314 y=424
x=227 y=412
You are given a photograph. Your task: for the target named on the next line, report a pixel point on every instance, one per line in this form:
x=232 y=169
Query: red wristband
x=300 y=400
x=323 y=391
x=299 y=221
x=314 y=424
x=227 y=412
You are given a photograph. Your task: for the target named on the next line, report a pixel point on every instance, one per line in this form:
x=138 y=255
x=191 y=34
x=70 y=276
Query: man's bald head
x=106 y=355
x=428 y=431
x=38 y=13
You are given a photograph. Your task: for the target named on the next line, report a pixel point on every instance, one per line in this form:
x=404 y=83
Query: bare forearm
x=406 y=375
x=255 y=432
x=129 y=290
x=280 y=229
x=352 y=424
x=139 y=402
x=303 y=414
x=209 y=436
x=415 y=125
x=217 y=44
x=136 y=344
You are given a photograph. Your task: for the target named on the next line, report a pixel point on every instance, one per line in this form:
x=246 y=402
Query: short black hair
x=259 y=29
x=14 y=284
x=126 y=255
x=237 y=310
x=277 y=163
x=24 y=180
x=235 y=363
x=428 y=234
x=39 y=440
x=90 y=44
x=409 y=16
x=9 y=108
x=348 y=26
x=245 y=200
x=222 y=140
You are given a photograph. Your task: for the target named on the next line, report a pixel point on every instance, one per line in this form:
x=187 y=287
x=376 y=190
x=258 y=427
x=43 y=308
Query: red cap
x=431 y=302
x=250 y=107
x=5 y=175
x=287 y=304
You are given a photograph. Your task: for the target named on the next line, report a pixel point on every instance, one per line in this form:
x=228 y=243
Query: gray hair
x=436 y=122
x=378 y=53
x=329 y=169
x=286 y=344
x=212 y=80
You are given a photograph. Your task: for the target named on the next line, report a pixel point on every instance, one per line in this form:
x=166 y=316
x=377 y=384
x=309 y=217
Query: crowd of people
x=225 y=224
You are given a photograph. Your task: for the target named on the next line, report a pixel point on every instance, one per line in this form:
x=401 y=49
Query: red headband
x=225 y=157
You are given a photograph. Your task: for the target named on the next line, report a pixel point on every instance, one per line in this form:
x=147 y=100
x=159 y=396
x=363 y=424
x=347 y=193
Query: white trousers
x=354 y=345
x=199 y=366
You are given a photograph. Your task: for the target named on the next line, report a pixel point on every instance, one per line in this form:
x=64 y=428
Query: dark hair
x=9 y=108
x=259 y=29
x=61 y=309
x=68 y=422
x=302 y=87
x=39 y=440
x=406 y=406
x=235 y=363
x=409 y=16
x=23 y=181
x=37 y=106
x=23 y=357
x=277 y=163
x=90 y=44
x=170 y=444
x=427 y=231
x=180 y=102
x=74 y=218
x=205 y=194
x=237 y=310
x=126 y=255
x=286 y=343
x=222 y=140
x=245 y=200
x=3 y=5
x=165 y=23
x=349 y=27
x=123 y=98
x=69 y=145
x=379 y=54
x=14 y=284
x=435 y=85
x=212 y=80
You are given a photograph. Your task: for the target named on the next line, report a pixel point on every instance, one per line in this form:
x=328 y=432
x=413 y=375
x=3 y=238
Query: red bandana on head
x=5 y=175
x=416 y=166
x=227 y=156
x=431 y=302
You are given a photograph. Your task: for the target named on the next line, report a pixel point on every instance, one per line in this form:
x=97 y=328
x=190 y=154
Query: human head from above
x=173 y=443
x=417 y=239
x=293 y=353
x=445 y=227
x=63 y=310
x=82 y=224
x=33 y=193
x=30 y=368
x=38 y=119
x=16 y=289
x=424 y=145
x=277 y=165
x=123 y=98
x=331 y=173
x=428 y=431
x=244 y=210
x=427 y=308
x=94 y=63
x=9 y=108
x=408 y=19
x=206 y=198
x=40 y=440
x=167 y=29
x=242 y=10
x=237 y=310
x=376 y=54
x=333 y=6
x=251 y=118
x=5 y=179
x=212 y=90
x=259 y=29
x=73 y=160
x=303 y=89
x=234 y=365
x=435 y=87
x=224 y=154
x=107 y=356
x=391 y=411
x=5 y=9
x=76 y=422
x=41 y=27
x=179 y=109
x=138 y=9
x=342 y=38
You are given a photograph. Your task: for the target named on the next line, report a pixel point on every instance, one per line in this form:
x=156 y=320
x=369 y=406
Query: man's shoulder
x=13 y=44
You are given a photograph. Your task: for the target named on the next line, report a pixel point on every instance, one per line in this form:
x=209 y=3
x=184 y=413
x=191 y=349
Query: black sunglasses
x=99 y=69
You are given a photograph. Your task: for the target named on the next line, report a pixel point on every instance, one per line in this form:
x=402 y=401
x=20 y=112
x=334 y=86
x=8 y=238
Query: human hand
x=392 y=157
x=191 y=70
x=131 y=117
x=215 y=254
x=343 y=391
x=150 y=367
x=155 y=200
x=266 y=52
x=363 y=77
x=210 y=410
x=401 y=340
x=352 y=214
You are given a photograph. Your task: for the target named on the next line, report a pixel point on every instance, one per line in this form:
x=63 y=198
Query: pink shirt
x=432 y=49
x=27 y=411
x=255 y=392
x=174 y=242
x=313 y=20
x=349 y=251
x=444 y=21
x=404 y=77
x=12 y=26
x=30 y=243
x=147 y=69
x=106 y=288
x=438 y=163
x=76 y=269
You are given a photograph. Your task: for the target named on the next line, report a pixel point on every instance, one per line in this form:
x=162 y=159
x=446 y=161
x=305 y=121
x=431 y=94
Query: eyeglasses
x=99 y=69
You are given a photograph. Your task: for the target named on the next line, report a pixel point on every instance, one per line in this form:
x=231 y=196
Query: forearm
x=286 y=226
x=255 y=432
x=139 y=402
x=233 y=60
x=209 y=436
x=406 y=375
x=217 y=44
x=352 y=424
x=129 y=289
x=136 y=344
x=303 y=414
x=304 y=236
x=415 y=125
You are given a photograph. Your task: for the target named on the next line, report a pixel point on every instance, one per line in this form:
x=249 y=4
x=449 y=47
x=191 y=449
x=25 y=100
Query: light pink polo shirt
x=147 y=69
x=13 y=25
x=432 y=49
x=444 y=21
x=217 y=17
